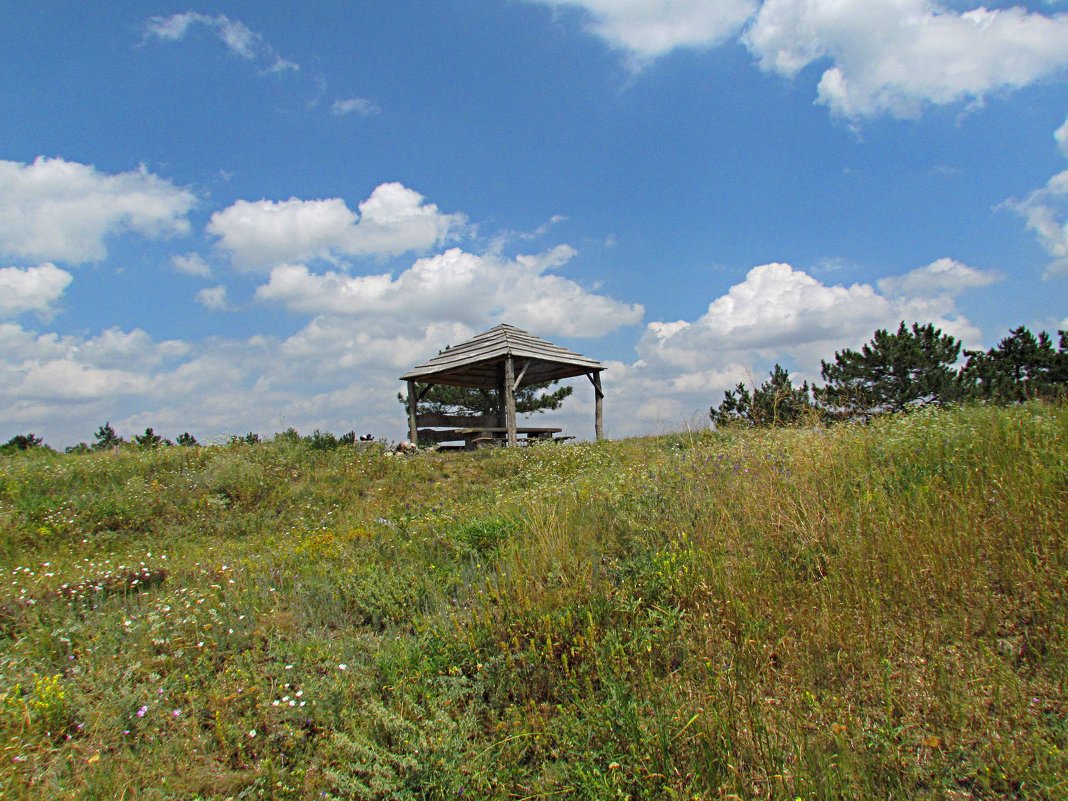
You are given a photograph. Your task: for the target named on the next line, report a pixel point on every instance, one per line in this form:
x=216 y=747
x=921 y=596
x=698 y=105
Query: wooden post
x=509 y=400
x=598 y=406
x=502 y=417
x=413 y=403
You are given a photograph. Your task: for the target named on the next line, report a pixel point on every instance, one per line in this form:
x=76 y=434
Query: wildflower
x=342 y=667
x=252 y=733
x=176 y=713
x=141 y=712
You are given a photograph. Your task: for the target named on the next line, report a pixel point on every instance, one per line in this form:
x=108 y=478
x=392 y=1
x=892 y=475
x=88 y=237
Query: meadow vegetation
x=861 y=611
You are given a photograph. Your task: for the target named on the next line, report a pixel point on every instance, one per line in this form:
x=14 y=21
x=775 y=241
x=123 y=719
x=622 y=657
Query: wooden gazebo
x=503 y=358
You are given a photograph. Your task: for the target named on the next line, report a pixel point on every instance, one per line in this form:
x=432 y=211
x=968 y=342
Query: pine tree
x=106 y=438
x=150 y=439
x=445 y=399
x=1059 y=373
x=22 y=442
x=776 y=402
x=187 y=439
x=892 y=373
x=1022 y=366
x=322 y=441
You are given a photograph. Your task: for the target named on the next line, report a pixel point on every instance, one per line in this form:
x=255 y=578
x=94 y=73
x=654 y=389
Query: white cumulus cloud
x=1045 y=212
x=650 y=28
x=898 y=56
x=64 y=211
x=335 y=374
x=944 y=276
x=116 y=349
x=66 y=386
x=340 y=371
x=777 y=314
x=49 y=369
x=779 y=311
x=477 y=290
x=68 y=380
x=31 y=288
x=877 y=56
x=393 y=220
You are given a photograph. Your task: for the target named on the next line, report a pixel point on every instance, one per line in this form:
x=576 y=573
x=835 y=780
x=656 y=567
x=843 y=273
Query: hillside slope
x=875 y=611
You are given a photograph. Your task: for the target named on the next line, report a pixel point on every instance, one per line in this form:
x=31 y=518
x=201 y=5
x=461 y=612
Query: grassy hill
x=861 y=612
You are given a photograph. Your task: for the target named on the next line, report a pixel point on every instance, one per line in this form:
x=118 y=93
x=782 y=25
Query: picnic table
x=451 y=432
x=487 y=435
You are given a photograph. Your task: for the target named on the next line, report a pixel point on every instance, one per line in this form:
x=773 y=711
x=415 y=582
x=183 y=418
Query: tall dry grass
x=874 y=611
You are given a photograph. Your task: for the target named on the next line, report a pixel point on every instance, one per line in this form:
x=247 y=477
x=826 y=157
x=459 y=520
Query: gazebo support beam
x=502 y=415
x=519 y=378
x=413 y=403
x=598 y=408
x=509 y=400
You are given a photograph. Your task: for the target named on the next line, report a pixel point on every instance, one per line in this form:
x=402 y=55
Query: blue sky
x=233 y=216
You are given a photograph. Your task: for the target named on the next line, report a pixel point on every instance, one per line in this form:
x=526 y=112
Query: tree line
x=107 y=438
x=896 y=371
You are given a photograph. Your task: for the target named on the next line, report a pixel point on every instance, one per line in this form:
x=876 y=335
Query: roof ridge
x=507 y=331
x=501 y=340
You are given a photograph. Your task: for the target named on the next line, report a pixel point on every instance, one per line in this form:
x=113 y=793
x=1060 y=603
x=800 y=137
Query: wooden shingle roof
x=477 y=362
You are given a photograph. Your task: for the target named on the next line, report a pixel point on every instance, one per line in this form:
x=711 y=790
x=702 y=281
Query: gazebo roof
x=475 y=363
